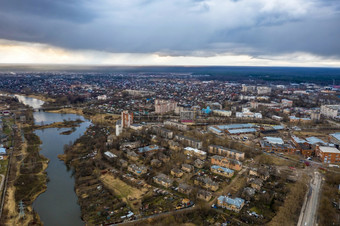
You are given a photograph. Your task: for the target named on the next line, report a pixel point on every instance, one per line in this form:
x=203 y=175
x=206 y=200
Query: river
x=58 y=205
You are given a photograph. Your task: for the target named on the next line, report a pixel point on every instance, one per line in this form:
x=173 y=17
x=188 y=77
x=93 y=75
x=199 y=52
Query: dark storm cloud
x=70 y=10
x=177 y=27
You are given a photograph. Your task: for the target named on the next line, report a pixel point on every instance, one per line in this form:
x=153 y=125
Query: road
x=309 y=208
x=156 y=215
x=227 y=189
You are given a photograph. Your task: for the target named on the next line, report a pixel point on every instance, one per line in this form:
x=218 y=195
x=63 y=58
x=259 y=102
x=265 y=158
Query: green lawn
x=3 y=166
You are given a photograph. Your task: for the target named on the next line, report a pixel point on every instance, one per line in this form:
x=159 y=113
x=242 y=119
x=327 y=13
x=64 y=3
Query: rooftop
x=278 y=127
x=336 y=136
x=315 y=140
x=274 y=140
x=298 y=140
x=220 y=168
x=148 y=148
x=238 y=202
x=215 y=129
x=195 y=150
x=110 y=154
x=235 y=126
x=236 y=131
x=224 y=148
x=329 y=149
x=2 y=150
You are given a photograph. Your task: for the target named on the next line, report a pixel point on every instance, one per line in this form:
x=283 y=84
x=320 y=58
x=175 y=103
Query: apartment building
x=230 y=153
x=328 y=154
x=226 y=162
x=165 y=106
x=332 y=111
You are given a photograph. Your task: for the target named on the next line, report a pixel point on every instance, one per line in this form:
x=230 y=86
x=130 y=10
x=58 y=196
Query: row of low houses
x=176 y=125
x=311 y=146
x=188 y=141
x=226 y=162
x=276 y=144
x=201 y=194
x=223 y=151
x=207 y=183
x=163 y=180
x=163 y=132
x=195 y=152
x=137 y=170
x=223 y=171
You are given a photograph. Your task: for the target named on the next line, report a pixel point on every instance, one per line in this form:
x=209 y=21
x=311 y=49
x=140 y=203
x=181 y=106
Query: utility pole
x=22 y=210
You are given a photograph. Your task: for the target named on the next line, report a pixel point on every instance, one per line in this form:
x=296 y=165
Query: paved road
x=310 y=206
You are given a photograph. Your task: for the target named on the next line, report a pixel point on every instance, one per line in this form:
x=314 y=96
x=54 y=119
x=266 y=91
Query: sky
x=171 y=32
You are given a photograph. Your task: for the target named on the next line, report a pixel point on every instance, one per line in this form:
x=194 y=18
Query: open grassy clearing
x=127 y=193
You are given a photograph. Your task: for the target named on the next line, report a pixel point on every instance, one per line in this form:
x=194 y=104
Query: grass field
x=3 y=166
x=123 y=190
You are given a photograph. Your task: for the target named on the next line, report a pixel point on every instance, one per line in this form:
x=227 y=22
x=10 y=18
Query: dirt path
x=2 y=181
x=12 y=216
x=230 y=186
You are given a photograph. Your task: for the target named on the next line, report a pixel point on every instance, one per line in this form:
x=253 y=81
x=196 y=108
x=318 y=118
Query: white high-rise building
x=332 y=111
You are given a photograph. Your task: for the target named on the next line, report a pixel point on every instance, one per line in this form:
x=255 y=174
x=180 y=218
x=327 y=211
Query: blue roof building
x=3 y=151
x=235 y=204
x=148 y=149
x=222 y=170
x=207 y=110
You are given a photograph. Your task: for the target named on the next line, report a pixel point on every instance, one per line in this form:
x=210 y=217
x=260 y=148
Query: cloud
x=198 y=28
x=36 y=53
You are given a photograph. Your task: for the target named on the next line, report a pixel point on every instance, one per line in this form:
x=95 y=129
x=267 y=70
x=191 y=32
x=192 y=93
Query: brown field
x=77 y=111
x=123 y=190
x=273 y=160
x=41 y=97
x=310 y=133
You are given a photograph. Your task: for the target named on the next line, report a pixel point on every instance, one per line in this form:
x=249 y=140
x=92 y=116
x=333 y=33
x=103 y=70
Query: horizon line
x=153 y=65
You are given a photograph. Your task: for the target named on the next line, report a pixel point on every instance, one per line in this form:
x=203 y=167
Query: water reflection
x=47 y=117
x=58 y=205
x=33 y=102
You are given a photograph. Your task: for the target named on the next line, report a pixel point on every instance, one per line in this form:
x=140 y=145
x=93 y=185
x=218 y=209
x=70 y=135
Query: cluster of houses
x=327 y=152
x=3 y=139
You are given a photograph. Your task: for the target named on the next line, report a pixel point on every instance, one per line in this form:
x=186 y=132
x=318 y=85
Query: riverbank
x=36 y=96
x=28 y=180
x=98 y=118
x=100 y=201
x=64 y=124
x=40 y=97
x=34 y=148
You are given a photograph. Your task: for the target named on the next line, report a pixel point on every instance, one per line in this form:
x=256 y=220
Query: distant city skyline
x=171 y=32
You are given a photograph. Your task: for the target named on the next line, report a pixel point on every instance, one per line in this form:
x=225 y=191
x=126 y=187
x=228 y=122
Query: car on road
x=214 y=206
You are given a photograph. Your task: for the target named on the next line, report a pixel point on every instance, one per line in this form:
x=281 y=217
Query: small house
x=204 y=195
x=235 y=204
x=163 y=180
x=176 y=172
x=187 y=168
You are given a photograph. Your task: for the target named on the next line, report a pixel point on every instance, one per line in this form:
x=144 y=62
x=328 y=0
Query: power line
x=22 y=210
